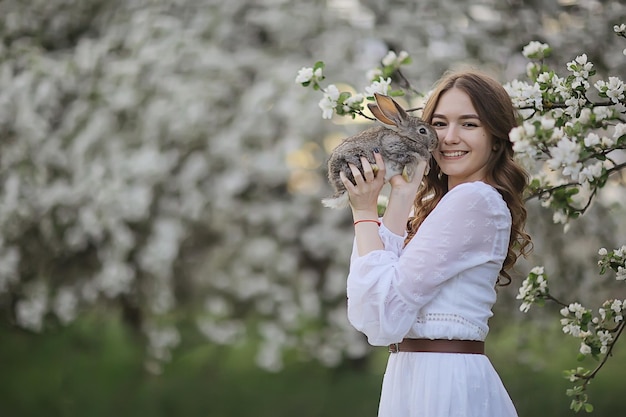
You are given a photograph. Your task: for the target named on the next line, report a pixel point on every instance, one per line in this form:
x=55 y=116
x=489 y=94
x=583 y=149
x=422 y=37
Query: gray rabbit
x=403 y=142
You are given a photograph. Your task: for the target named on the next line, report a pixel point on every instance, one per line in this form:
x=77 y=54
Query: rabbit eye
x=422 y=131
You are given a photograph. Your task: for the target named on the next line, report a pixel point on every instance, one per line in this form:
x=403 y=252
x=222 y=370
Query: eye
x=472 y=123
x=422 y=130
x=438 y=124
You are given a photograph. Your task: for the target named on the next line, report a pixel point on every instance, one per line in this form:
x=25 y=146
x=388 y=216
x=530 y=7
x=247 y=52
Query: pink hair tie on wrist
x=367 y=221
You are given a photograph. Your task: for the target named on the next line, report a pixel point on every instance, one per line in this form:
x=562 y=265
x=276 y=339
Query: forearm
x=366 y=231
x=401 y=200
x=397 y=211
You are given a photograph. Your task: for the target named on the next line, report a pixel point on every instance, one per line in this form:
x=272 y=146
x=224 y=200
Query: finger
x=346 y=182
x=368 y=170
x=356 y=173
x=380 y=165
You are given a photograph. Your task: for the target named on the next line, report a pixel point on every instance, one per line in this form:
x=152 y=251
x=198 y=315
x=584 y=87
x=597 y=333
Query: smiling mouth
x=453 y=154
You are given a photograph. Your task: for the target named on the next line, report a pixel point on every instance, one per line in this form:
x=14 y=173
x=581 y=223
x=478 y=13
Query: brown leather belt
x=438 y=345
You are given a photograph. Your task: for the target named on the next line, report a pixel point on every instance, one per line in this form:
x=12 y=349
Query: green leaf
x=589 y=408
x=318 y=65
x=343 y=97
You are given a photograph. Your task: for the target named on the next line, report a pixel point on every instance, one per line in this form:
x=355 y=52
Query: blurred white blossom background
x=158 y=162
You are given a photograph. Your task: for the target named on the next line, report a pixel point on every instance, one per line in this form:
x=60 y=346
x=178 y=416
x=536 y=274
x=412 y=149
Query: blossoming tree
x=158 y=164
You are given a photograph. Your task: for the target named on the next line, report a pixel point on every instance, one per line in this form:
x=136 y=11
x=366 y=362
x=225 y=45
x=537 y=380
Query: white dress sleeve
x=387 y=288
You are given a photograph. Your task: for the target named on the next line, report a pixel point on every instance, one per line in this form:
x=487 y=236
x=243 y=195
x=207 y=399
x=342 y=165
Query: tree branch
x=587 y=378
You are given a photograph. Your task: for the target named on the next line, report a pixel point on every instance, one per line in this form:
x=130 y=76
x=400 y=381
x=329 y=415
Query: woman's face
x=465 y=146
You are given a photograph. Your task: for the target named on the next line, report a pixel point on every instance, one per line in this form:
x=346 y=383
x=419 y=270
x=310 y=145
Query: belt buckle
x=394 y=348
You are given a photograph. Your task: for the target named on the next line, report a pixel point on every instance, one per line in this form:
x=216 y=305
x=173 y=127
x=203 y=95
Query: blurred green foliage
x=95 y=368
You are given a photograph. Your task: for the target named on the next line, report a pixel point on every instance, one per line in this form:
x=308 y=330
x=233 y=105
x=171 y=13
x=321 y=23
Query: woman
x=427 y=293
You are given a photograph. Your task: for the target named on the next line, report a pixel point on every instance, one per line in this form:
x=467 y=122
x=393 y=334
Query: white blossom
x=9 y=266
x=374 y=74
x=535 y=50
x=614 y=89
x=559 y=217
x=521 y=142
x=585 y=116
x=31 y=309
x=606 y=142
x=618 y=307
x=605 y=337
x=353 y=101
x=307 y=74
x=565 y=155
x=592 y=139
x=391 y=59
x=544 y=78
x=547 y=123
x=580 y=68
x=380 y=87
x=65 y=305
x=329 y=102
x=577 y=309
x=525 y=95
x=591 y=172
x=161 y=341
x=572 y=329
x=574 y=104
x=602 y=113
x=619 y=130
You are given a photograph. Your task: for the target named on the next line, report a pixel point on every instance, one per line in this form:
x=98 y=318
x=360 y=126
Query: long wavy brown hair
x=497 y=114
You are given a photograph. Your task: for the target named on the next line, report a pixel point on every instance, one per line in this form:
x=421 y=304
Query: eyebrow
x=464 y=116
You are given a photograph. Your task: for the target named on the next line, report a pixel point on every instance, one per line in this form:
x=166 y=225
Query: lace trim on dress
x=454 y=318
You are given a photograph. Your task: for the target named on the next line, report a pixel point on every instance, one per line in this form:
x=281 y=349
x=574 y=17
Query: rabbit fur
x=403 y=142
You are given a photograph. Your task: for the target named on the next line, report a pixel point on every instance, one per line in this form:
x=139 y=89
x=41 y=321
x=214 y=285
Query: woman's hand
x=409 y=188
x=364 y=202
x=364 y=194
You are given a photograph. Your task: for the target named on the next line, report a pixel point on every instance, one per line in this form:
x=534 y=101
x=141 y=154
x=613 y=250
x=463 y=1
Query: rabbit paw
x=406 y=175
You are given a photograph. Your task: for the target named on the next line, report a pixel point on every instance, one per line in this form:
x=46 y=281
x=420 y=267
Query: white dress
x=440 y=286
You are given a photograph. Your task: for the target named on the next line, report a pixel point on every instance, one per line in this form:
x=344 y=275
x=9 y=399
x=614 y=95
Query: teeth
x=457 y=153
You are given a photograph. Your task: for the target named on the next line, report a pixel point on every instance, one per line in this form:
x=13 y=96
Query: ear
x=379 y=114
x=390 y=110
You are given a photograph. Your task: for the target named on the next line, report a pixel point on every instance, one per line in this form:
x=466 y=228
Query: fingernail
x=376 y=150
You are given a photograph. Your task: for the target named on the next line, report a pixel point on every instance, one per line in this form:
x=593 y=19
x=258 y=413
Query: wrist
x=401 y=200
x=403 y=194
x=367 y=221
x=358 y=215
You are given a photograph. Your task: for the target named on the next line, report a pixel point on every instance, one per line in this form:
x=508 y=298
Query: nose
x=450 y=135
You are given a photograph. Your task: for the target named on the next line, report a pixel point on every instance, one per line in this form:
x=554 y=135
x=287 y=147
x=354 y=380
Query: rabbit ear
x=379 y=114
x=391 y=110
